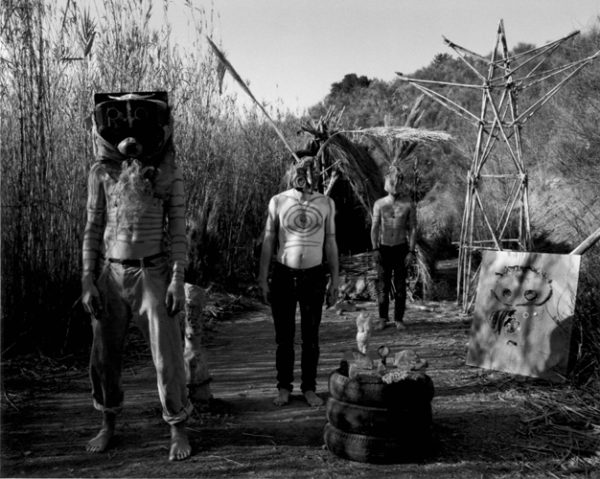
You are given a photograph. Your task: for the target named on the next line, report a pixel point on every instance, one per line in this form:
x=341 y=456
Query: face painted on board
x=519 y=291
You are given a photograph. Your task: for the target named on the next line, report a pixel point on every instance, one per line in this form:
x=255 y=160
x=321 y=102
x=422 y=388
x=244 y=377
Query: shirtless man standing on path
x=301 y=222
x=135 y=198
x=393 y=237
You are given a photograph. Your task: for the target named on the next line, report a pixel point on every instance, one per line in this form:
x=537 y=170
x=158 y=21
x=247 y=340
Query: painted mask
x=393 y=181
x=304 y=175
x=136 y=124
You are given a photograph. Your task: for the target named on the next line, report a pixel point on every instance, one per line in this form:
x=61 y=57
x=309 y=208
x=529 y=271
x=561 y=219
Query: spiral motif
x=302 y=220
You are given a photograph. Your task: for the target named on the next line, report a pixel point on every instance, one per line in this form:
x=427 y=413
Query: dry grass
x=404 y=133
x=565 y=423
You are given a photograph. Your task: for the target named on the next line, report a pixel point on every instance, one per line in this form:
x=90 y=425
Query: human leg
x=400 y=273
x=383 y=283
x=109 y=332
x=148 y=290
x=283 y=307
x=312 y=285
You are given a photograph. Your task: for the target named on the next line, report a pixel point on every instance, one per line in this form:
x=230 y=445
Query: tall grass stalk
x=53 y=60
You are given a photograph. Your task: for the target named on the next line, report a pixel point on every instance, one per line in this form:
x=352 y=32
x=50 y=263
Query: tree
x=350 y=82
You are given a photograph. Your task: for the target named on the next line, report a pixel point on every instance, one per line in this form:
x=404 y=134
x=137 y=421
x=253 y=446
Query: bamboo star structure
x=499 y=121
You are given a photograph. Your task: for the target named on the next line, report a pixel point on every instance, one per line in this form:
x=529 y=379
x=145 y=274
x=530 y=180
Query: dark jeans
x=391 y=263
x=288 y=287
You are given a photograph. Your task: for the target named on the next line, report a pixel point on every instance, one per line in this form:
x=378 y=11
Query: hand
x=90 y=297
x=410 y=258
x=332 y=293
x=175 y=300
x=376 y=256
x=265 y=290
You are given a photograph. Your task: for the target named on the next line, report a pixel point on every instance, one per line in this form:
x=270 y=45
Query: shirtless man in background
x=301 y=222
x=393 y=236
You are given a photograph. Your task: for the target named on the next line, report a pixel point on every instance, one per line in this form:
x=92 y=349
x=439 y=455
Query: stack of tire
x=371 y=421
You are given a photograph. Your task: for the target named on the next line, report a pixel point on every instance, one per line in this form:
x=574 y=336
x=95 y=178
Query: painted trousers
x=390 y=267
x=137 y=293
x=290 y=287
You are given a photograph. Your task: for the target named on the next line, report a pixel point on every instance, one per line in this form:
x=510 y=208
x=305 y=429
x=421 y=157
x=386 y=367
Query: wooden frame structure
x=498 y=122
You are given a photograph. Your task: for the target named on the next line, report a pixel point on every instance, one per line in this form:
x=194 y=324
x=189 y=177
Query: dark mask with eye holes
x=304 y=176
x=137 y=124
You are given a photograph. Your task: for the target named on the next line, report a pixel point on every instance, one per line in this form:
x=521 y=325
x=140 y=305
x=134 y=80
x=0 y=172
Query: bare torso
x=394 y=218
x=137 y=237
x=140 y=233
x=304 y=220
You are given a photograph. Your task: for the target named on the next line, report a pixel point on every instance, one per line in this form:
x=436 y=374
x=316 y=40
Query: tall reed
x=53 y=61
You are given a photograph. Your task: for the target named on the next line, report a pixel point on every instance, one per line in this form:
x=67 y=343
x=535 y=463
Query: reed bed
x=53 y=61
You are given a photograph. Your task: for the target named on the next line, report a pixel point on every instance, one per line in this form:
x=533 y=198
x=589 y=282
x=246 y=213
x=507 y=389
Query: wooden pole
x=587 y=243
x=238 y=79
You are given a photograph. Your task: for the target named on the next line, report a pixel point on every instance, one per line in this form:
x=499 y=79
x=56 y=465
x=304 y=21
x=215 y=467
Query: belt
x=299 y=272
x=137 y=263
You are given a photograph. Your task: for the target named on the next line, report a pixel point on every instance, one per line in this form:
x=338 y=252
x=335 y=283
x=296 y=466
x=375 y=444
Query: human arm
x=375 y=226
x=412 y=232
x=331 y=255
x=376 y=231
x=92 y=240
x=175 y=297
x=267 y=250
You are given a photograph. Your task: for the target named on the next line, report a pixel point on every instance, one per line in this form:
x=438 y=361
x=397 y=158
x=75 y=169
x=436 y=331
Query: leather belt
x=137 y=263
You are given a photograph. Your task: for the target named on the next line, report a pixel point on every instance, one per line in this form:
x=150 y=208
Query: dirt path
x=476 y=413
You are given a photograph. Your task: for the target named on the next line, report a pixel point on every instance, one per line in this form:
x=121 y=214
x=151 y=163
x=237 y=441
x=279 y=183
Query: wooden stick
x=461 y=54
x=504 y=135
x=455 y=107
x=507 y=209
x=487 y=221
x=587 y=243
x=523 y=117
x=241 y=82
x=439 y=82
x=465 y=50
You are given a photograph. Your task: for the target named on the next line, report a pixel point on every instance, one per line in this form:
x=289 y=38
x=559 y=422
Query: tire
x=372 y=449
x=364 y=390
x=375 y=421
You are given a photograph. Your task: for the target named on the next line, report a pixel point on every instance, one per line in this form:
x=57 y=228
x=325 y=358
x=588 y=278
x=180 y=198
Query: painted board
x=523 y=313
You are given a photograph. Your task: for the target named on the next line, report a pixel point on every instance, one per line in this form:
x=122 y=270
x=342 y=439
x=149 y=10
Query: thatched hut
x=354 y=177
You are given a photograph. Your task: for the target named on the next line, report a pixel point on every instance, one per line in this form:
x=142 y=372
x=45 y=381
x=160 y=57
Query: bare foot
x=180 y=444
x=400 y=326
x=100 y=442
x=312 y=399
x=282 y=398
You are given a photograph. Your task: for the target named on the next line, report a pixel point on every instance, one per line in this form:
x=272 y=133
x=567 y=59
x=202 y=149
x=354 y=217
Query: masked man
x=393 y=236
x=134 y=256
x=300 y=221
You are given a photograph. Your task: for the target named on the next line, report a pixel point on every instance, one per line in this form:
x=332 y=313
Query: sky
x=291 y=51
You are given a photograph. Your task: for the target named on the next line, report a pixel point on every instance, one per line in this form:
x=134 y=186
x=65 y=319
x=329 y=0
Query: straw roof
x=343 y=156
